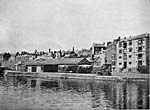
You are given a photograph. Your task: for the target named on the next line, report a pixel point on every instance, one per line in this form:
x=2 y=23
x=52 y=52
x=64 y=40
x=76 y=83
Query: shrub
x=143 y=69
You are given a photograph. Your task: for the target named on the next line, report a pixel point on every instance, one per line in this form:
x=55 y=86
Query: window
x=120 y=44
x=140 y=41
x=33 y=68
x=120 y=63
x=139 y=62
x=130 y=56
x=140 y=56
x=130 y=42
x=124 y=45
x=120 y=57
x=120 y=51
x=140 y=49
x=130 y=49
x=113 y=63
x=113 y=68
x=130 y=63
x=125 y=56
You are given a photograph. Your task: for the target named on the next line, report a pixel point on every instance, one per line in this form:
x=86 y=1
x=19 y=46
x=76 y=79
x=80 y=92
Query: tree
x=6 y=56
x=17 y=54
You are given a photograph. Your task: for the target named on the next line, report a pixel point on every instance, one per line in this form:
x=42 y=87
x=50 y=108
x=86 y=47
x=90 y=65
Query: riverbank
x=135 y=77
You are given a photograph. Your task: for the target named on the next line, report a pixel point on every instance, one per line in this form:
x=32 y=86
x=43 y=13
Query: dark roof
x=61 y=61
x=35 y=62
x=139 y=36
x=98 y=45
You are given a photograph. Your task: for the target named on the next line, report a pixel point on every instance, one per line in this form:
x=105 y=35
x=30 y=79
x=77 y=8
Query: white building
x=133 y=52
x=98 y=48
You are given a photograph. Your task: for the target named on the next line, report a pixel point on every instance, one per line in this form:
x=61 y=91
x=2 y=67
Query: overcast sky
x=61 y=24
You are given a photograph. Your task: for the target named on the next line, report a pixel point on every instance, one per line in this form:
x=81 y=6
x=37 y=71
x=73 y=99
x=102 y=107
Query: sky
x=61 y=24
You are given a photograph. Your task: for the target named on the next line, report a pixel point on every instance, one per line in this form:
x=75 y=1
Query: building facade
x=133 y=52
x=98 y=48
x=56 y=65
x=111 y=55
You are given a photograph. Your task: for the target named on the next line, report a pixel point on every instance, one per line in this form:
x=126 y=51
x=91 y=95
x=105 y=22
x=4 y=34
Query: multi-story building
x=111 y=55
x=98 y=48
x=133 y=52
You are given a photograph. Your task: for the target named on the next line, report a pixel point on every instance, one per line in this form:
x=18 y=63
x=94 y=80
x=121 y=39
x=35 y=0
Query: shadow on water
x=102 y=94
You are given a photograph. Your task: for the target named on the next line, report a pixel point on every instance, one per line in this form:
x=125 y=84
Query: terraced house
x=133 y=53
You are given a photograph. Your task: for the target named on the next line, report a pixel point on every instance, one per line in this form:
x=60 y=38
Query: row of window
x=140 y=41
x=121 y=63
x=140 y=49
x=130 y=56
x=139 y=62
x=120 y=50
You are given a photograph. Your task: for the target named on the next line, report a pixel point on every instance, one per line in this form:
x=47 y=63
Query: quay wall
x=78 y=76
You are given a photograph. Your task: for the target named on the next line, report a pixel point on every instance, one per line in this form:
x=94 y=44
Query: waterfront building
x=133 y=52
x=57 y=65
x=111 y=54
x=98 y=48
x=98 y=54
x=8 y=64
x=20 y=66
x=24 y=57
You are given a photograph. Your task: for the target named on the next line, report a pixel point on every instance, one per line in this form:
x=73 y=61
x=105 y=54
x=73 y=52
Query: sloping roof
x=89 y=59
x=62 y=61
x=35 y=62
x=139 y=36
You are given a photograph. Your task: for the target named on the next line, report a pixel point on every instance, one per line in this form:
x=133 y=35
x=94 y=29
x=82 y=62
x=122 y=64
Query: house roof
x=98 y=45
x=35 y=62
x=61 y=61
x=139 y=36
x=89 y=59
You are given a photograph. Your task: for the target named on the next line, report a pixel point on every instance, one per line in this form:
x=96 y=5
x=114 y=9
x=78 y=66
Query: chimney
x=119 y=38
x=49 y=51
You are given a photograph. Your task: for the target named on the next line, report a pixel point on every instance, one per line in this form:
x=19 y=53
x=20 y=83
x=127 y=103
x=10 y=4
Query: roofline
x=139 y=36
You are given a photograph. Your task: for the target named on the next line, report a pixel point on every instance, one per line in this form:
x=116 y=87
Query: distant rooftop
x=98 y=45
x=61 y=61
x=139 y=36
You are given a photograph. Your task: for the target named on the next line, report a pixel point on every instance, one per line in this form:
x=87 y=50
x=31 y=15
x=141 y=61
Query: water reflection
x=71 y=93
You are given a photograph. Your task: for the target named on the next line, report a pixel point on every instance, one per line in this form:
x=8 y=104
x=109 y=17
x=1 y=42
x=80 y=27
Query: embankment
x=48 y=75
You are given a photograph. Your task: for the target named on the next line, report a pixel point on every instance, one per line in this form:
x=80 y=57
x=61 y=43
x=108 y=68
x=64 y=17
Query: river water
x=71 y=94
